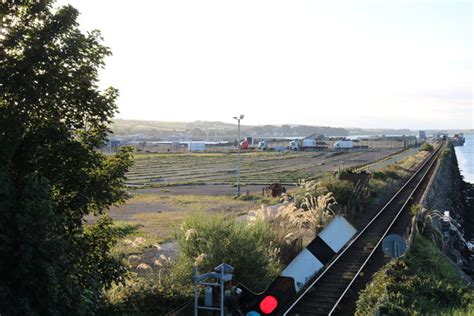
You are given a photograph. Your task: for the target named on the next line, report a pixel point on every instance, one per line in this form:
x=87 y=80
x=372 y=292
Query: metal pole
x=238 y=157
x=195 y=291
x=222 y=292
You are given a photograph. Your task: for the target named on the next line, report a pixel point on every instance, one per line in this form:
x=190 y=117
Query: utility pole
x=238 y=118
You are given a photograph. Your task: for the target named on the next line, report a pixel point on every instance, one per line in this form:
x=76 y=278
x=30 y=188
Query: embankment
x=448 y=192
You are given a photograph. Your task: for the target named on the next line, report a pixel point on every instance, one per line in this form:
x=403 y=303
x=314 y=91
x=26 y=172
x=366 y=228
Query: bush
x=423 y=282
x=145 y=296
x=376 y=186
x=393 y=172
x=447 y=152
x=211 y=240
x=341 y=189
x=344 y=173
x=378 y=175
x=426 y=147
x=247 y=197
x=381 y=180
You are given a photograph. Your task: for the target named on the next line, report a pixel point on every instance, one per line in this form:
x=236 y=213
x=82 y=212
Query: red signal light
x=268 y=304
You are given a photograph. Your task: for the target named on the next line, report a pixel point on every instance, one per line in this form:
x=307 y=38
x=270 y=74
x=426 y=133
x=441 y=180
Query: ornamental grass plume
x=162 y=261
x=319 y=211
x=190 y=234
x=199 y=259
x=133 y=258
x=143 y=266
x=290 y=221
x=136 y=243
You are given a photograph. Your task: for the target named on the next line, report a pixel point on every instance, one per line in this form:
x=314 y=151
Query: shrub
x=426 y=147
x=248 y=197
x=423 y=282
x=145 y=296
x=447 y=152
x=378 y=175
x=341 y=189
x=207 y=241
x=344 y=173
x=393 y=172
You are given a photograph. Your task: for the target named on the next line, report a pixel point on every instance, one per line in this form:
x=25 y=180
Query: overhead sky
x=391 y=64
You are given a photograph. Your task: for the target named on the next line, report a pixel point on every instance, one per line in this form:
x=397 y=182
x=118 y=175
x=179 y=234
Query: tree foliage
x=53 y=117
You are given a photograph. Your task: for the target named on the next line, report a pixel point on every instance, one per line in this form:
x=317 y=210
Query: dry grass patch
x=136 y=239
x=411 y=162
x=159 y=226
x=199 y=202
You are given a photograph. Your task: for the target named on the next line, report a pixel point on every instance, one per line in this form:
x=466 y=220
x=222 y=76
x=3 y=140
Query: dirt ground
x=206 y=189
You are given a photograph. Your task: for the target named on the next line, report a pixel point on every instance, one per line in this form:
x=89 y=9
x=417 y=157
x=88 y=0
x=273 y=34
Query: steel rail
x=348 y=246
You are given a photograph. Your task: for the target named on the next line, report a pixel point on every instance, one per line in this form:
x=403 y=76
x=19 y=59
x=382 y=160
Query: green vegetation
x=422 y=283
x=149 y=294
x=210 y=240
x=206 y=241
x=248 y=197
x=411 y=162
x=383 y=179
x=134 y=240
x=52 y=118
x=341 y=189
x=390 y=175
x=390 y=172
x=447 y=152
x=426 y=147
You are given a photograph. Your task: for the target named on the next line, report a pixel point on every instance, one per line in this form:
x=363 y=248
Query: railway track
x=332 y=291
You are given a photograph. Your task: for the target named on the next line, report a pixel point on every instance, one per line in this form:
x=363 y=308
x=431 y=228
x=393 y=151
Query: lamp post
x=238 y=118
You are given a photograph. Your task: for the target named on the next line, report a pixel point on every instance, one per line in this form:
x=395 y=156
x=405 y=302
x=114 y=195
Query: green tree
x=53 y=117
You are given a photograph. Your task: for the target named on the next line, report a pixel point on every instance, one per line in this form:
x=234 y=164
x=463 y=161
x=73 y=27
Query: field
x=257 y=168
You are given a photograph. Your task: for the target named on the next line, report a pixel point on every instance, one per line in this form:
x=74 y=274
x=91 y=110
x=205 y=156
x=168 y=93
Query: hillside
x=206 y=129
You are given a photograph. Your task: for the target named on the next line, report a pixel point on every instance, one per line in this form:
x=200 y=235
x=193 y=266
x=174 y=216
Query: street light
x=238 y=118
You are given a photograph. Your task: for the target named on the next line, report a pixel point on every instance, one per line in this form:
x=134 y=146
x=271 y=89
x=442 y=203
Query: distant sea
x=465 y=155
